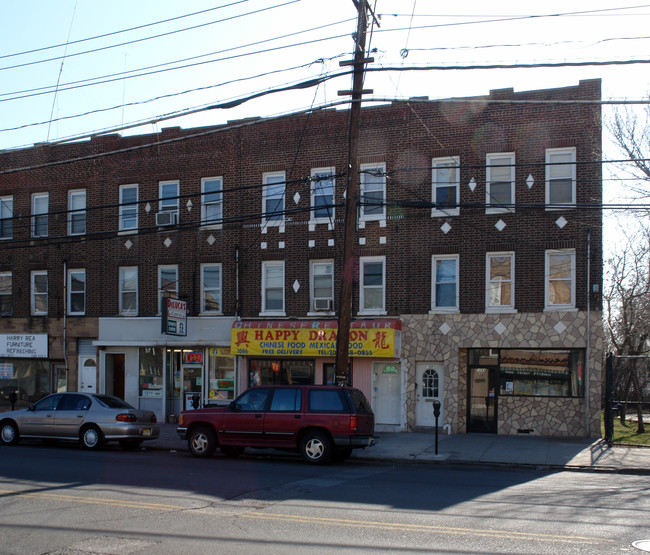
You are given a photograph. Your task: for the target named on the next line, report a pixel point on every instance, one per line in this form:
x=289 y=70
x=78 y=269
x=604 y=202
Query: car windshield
x=112 y=402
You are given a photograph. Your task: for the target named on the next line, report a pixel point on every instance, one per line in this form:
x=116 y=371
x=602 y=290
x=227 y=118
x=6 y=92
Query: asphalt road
x=62 y=500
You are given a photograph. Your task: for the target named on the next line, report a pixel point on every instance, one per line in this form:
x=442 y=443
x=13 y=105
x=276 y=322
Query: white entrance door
x=387 y=393
x=87 y=374
x=429 y=387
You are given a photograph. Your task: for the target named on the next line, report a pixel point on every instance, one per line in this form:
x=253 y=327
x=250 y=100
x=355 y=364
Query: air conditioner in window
x=166 y=218
x=323 y=305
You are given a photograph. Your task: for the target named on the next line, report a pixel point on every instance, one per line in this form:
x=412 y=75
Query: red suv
x=323 y=423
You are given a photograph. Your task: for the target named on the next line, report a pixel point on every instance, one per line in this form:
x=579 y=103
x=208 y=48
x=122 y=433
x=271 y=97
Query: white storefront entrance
x=387 y=393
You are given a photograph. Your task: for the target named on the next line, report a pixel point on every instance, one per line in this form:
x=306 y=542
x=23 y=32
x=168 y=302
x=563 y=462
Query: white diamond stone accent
x=472 y=184
x=561 y=222
x=168 y=242
x=296 y=197
x=281 y=245
x=382 y=223
x=128 y=244
x=296 y=286
x=446 y=228
x=265 y=230
x=560 y=328
x=445 y=328
x=362 y=240
x=147 y=208
x=382 y=240
x=211 y=240
x=330 y=227
x=189 y=205
x=500 y=225
x=312 y=243
x=330 y=242
x=362 y=225
x=499 y=328
x=530 y=181
x=312 y=227
x=263 y=246
x=281 y=230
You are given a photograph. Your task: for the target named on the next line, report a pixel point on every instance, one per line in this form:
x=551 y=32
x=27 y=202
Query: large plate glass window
x=444 y=290
x=500 y=182
x=6 y=217
x=280 y=372
x=76 y=292
x=77 y=212
x=373 y=191
x=211 y=201
x=129 y=290
x=446 y=181
x=560 y=178
x=500 y=286
x=372 y=294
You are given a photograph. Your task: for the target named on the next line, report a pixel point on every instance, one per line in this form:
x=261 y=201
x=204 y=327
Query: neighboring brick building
x=477 y=275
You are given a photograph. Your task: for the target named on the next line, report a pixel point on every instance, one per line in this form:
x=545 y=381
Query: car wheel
x=91 y=437
x=316 y=448
x=9 y=433
x=202 y=442
x=232 y=450
x=342 y=454
x=130 y=444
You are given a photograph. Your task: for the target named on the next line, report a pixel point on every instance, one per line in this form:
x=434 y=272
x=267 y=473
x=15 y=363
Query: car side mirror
x=233 y=406
x=31 y=407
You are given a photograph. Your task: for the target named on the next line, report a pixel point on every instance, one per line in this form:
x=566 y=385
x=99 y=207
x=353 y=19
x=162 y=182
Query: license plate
x=146 y=431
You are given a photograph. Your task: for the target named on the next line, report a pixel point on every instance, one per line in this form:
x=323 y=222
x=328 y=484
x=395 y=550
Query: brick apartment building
x=477 y=274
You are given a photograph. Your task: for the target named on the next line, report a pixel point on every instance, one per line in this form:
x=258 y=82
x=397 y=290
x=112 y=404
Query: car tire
x=316 y=448
x=202 y=442
x=130 y=444
x=91 y=438
x=232 y=451
x=9 y=434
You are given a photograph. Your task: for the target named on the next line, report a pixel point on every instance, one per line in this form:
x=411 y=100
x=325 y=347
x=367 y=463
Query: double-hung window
x=273 y=195
x=211 y=201
x=446 y=181
x=560 y=282
x=322 y=195
x=373 y=191
x=500 y=282
x=128 y=207
x=77 y=212
x=168 y=199
x=6 y=217
x=444 y=290
x=6 y=306
x=322 y=285
x=500 y=169
x=273 y=287
x=39 y=292
x=372 y=293
x=129 y=290
x=560 y=178
x=76 y=292
x=211 y=288
x=167 y=284
x=40 y=203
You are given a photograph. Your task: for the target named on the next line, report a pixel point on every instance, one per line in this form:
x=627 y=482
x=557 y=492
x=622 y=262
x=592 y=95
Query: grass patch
x=627 y=433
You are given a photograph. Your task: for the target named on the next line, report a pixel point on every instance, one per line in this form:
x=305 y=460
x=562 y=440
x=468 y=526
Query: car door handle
x=258 y=416
x=296 y=416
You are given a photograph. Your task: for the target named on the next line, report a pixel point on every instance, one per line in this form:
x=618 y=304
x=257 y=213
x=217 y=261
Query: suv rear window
x=360 y=402
x=326 y=400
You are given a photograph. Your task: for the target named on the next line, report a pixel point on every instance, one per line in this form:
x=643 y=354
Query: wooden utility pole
x=351 y=196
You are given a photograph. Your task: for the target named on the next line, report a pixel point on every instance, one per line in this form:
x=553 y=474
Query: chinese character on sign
x=380 y=340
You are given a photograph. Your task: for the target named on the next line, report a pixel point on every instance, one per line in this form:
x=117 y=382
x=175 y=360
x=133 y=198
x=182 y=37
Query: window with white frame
x=372 y=293
x=444 y=290
x=560 y=177
x=6 y=217
x=273 y=287
x=560 y=282
x=77 y=212
x=39 y=292
x=446 y=186
x=322 y=195
x=373 y=191
x=273 y=198
x=128 y=207
x=40 y=203
x=322 y=285
x=500 y=283
x=500 y=182
x=211 y=288
x=129 y=290
x=168 y=199
x=76 y=292
x=6 y=304
x=211 y=201
x=167 y=284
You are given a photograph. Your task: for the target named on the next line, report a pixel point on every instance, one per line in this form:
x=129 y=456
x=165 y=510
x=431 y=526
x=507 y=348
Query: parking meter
x=196 y=401
x=436 y=414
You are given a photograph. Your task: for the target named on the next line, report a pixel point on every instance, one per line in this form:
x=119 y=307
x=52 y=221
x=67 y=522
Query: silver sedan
x=91 y=419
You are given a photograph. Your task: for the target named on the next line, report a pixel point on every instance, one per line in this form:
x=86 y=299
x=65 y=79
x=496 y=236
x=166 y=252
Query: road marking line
x=96 y=500
x=426 y=528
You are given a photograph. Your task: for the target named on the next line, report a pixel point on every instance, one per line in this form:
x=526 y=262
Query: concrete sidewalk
x=477 y=449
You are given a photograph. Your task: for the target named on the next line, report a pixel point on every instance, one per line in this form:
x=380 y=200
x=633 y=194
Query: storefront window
x=280 y=372
x=151 y=375
x=221 y=372
x=174 y=372
x=30 y=379
x=557 y=373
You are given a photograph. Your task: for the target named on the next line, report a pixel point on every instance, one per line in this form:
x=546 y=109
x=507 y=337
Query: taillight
x=153 y=419
x=353 y=423
x=126 y=417
x=180 y=420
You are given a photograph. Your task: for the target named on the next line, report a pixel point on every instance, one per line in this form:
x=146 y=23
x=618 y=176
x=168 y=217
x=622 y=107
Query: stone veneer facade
x=445 y=338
